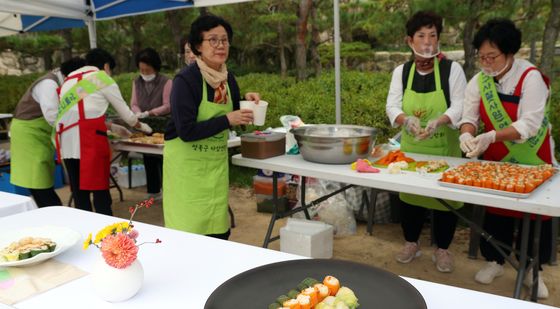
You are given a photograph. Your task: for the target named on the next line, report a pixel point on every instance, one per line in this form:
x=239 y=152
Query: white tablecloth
x=13 y=203
x=545 y=200
x=184 y=269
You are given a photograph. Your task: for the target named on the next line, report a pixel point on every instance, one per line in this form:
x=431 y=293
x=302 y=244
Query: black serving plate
x=259 y=287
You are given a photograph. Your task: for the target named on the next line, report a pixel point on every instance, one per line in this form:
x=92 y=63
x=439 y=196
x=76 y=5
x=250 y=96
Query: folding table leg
x=554 y=253
x=522 y=256
x=371 y=210
x=474 y=239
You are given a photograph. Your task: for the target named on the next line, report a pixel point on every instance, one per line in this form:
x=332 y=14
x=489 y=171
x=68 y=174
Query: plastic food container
x=263 y=145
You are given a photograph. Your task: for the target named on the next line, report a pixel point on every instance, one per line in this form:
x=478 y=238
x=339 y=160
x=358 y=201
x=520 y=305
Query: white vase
x=116 y=284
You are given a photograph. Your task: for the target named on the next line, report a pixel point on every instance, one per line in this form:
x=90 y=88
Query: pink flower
x=119 y=250
x=133 y=234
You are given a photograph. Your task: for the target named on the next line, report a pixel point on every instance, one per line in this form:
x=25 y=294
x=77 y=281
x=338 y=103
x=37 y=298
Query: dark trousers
x=153 y=165
x=224 y=236
x=101 y=198
x=413 y=218
x=45 y=197
x=502 y=228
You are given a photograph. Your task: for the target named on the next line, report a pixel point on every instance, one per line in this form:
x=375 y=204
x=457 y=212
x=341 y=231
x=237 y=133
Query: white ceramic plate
x=64 y=238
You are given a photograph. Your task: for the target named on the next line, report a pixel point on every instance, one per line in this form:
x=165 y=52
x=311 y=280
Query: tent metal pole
x=92 y=33
x=337 y=60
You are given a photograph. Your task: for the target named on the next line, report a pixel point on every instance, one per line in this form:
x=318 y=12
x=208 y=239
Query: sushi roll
x=312 y=293
x=332 y=283
x=292 y=294
x=322 y=291
x=304 y=301
x=282 y=298
x=291 y=304
x=274 y=306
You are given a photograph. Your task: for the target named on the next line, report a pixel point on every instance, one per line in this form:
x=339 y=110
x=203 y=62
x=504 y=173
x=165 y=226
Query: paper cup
x=247 y=105
x=259 y=113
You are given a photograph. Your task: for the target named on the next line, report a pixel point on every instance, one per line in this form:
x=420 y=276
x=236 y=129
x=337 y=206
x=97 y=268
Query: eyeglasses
x=488 y=59
x=215 y=42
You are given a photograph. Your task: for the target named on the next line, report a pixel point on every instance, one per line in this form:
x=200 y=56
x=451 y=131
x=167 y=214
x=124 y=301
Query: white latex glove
x=466 y=143
x=143 y=115
x=144 y=128
x=429 y=130
x=120 y=130
x=412 y=125
x=481 y=143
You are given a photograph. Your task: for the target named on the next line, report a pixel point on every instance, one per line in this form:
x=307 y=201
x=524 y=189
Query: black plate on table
x=259 y=287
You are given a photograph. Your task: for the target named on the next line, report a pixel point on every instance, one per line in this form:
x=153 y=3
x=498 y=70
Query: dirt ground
x=377 y=250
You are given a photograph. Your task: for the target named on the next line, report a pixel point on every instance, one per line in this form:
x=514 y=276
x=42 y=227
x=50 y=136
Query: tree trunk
x=67 y=50
x=315 y=41
x=468 y=34
x=136 y=31
x=173 y=19
x=47 y=58
x=282 y=51
x=301 y=33
x=549 y=38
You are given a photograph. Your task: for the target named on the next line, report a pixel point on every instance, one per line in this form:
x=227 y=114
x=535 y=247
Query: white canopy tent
x=19 y=16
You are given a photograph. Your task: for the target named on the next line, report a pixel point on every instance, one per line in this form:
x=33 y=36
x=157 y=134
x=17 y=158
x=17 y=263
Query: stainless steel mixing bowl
x=334 y=144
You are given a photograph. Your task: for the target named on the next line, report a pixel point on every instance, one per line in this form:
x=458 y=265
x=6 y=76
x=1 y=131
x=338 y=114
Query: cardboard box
x=308 y=238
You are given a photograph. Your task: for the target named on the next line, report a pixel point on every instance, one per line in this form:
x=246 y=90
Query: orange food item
x=312 y=293
x=332 y=283
x=394 y=156
x=322 y=291
x=500 y=176
x=292 y=304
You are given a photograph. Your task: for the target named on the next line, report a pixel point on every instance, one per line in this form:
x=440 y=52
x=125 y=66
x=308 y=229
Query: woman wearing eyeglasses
x=425 y=98
x=509 y=97
x=204 y=105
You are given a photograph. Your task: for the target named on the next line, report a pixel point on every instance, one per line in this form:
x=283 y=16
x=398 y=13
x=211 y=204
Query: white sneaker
x=542 y=291
x=490 y=271
x=408 y=252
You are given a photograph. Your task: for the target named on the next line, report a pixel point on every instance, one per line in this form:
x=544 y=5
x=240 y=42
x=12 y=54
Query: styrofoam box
x=138 y=176
x=308 y=238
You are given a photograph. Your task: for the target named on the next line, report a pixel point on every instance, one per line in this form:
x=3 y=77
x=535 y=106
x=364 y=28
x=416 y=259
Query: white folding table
x=545 y=200
x=183 y=270
x=14 y=203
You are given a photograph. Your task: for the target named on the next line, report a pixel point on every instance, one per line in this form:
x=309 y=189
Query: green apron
x=32 y=154
x=196 y=177
x=444 y=142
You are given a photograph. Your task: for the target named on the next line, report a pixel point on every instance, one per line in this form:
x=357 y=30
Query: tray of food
x=316 y=283
x=140 y=139
x=28 y=246
x=506 y=179
x=396 y=160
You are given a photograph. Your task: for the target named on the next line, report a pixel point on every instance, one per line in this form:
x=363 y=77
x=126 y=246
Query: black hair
x=184 y=40
x=500 y=32
x=150 y=57
x=71 y=65
x=423 y=19
x=97 y=57
x=205 y=23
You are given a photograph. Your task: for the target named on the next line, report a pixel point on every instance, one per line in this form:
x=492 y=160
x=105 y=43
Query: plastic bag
x=334 y=210
x=290 y=122
x=358 y=199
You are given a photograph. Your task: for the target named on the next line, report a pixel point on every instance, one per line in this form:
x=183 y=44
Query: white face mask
x=495 y=73
x=426 y=52
x=148 y=78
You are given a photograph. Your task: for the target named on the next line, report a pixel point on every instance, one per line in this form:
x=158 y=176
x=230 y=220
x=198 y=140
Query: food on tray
x=141 y=138
x=499 y=176
x=396 y=167
x=431 y=166
x=26 y=248
x=364 y=166
x=313 y=294
x=394 y=156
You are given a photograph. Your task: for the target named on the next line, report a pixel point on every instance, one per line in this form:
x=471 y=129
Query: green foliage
x=35 y=44
x=12 y=89
x=349 y=52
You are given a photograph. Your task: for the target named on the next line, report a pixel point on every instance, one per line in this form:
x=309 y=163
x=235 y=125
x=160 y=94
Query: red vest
x=498 y=150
